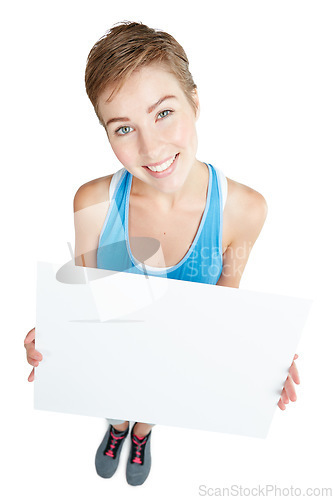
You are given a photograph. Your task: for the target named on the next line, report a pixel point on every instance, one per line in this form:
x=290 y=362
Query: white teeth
x=164 y=165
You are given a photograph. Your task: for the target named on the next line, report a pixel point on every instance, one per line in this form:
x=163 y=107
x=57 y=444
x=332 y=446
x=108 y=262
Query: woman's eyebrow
x=118 y=119
x=149 y=110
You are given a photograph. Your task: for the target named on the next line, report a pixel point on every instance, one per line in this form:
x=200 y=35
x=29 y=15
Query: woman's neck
x=196 y=183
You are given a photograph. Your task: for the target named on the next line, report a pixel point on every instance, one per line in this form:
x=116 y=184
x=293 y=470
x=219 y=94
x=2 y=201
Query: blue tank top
x=203 y=261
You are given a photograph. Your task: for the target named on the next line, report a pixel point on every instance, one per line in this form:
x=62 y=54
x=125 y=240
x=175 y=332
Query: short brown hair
x=127 y=47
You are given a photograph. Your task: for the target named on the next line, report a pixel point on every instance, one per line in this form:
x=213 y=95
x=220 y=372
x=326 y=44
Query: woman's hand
x=288 y=392
x=33 y=356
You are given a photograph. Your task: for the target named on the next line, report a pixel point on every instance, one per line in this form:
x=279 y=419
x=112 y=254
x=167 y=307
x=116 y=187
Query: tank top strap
x=223 y=185
x=115 y=181
x=114 y=185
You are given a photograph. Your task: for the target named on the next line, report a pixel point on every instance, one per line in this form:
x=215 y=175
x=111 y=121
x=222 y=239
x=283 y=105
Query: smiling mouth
x=163 y=166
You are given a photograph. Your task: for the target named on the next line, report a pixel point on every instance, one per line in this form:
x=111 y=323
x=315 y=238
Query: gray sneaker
x=139 y=460
x=108 y=453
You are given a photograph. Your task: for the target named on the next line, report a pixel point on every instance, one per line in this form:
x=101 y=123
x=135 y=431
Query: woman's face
x=151 y=123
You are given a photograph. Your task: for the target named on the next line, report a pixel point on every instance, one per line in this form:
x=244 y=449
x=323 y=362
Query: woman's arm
x=90 y=208
x=246 y=212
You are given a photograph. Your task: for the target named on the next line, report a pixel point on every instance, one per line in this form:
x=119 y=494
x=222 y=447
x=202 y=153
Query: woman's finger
x=281 y=405
x=290 y=389
x=294 y=373
x=284 y=397
x=33 y=353
x=33 y=362
x=30 y=337
x=31 y=377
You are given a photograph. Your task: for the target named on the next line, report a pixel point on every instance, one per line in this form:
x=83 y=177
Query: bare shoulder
x=92 y=193
x=245 y=208
x=243 y=197
x=91 y=202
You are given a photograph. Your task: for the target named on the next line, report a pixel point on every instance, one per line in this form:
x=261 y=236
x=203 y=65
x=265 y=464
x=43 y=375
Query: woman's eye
x=164 y=113
x=123 y=130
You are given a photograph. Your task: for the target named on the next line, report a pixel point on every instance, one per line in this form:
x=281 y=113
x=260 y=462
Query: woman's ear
x=197 y=103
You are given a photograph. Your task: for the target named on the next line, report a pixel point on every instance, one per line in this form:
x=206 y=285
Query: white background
x=264 y=75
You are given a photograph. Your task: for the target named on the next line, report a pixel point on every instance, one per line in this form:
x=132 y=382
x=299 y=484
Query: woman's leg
x=119 y=425
x=141 y=429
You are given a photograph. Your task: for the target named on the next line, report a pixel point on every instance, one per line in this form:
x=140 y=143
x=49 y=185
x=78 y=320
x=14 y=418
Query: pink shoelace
x=115 y=440
x=139 y=443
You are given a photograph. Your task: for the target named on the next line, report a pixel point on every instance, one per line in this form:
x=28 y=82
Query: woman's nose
x=150 y=146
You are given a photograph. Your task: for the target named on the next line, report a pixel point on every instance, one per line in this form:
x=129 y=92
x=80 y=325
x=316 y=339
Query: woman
x=205 y=225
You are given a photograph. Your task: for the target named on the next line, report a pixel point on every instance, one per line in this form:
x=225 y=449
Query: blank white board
x=203 y=356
